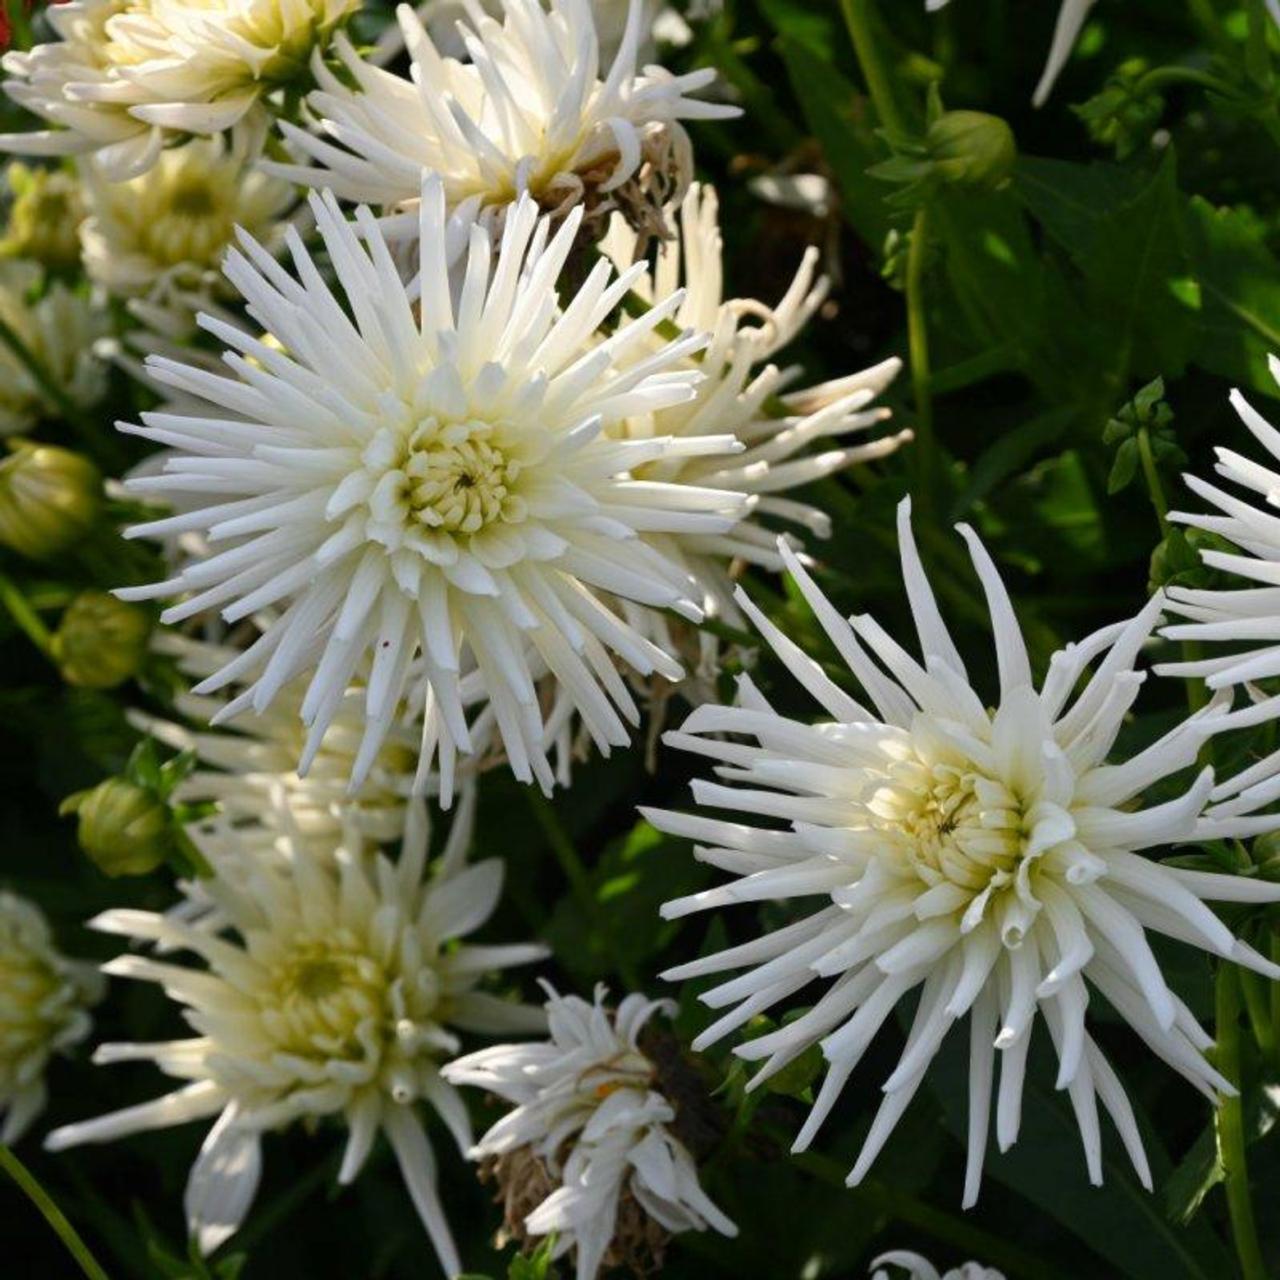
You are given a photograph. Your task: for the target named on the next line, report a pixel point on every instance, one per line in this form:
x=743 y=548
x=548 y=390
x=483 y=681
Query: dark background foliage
x=1049 y=304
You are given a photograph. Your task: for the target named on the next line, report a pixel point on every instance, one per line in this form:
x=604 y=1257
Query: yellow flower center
x=459 y=478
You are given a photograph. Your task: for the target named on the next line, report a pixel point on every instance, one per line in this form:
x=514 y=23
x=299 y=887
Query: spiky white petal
x=917 y=1267
x=1246 y=617
x=587 y=1105
x=431 y=479
x=990 y=859
x=530 y=109
x=340 y=993
x=1066 y=31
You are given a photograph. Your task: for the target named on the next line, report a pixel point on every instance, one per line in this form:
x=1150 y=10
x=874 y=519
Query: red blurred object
x=6 y=26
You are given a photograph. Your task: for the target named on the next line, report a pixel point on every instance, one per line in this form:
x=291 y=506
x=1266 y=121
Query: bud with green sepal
x=49 y=498
x=970 y=149
x=1148 y=416
x=127 y=825
x=101 y=641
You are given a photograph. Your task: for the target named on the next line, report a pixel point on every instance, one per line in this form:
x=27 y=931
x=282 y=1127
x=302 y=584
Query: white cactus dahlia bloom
x=339 y=993
x=531 y=111
x=432 y=477
x=990 y=859
x=43 y=1010
x=1248 y=617
x=745 y=395
x=917 y=1267
x=587 y=1108
x=1071 y=19
x=126 y=77
x=162 y=235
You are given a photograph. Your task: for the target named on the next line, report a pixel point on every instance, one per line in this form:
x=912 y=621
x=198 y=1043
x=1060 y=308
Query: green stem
x=579 y=880
x=1230 y=1125
x=903 y=1207
x=1258 y=1007
x=860 y=18
x=1275 y=997
x=26 y=618
x=922 y=452
x=1160 y=77
x=1151 y=474
x=52 y=1214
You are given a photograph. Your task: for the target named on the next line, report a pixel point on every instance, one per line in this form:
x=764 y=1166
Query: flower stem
x=1151 y=474
x=922 y=453
x=52 y=1214
x=26 y=618
x=860 y=18
x=1230 y=1126
x=1160 y=77
x=1258 y=1007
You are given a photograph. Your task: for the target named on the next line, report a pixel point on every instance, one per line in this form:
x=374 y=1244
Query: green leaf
x=1240 y=287
x=1125 y=466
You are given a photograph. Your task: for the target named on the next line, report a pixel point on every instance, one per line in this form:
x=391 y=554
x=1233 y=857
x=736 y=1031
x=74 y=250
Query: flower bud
x=101 y=641
x=123 y=827
x=972 y=148
x=49 y=498
x=44 y=217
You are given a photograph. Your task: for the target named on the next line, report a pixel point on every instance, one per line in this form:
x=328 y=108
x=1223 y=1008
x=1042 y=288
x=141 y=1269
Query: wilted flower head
x=59 y=328
x=1245 y=616
x=44 y=1010
x=163 y=234
x=45 y=212
x=890 y=1266
x=591 y=1131
x=1066 y=31
x=340 y=992
x=990 y=859
x=531 y=111
x=125 y=77
x=432 y=479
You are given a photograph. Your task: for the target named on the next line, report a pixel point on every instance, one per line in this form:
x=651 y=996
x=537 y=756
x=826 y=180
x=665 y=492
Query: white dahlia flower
x=162 y=235
x=339 y=993
x=245 y=766
x=920 y=1268
x=126 y=77
x=1066 y=31
x=59 y=327
x=433 y=477
x=991 y=859
x=1249 y=617
x=740 y=395
x=588 y=1153
x=531 y=111
x=44 y=1010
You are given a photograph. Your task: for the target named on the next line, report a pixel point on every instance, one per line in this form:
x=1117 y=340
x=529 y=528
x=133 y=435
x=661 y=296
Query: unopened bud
x=101 y=641
x=972 y=148
x=49 y=497
x=123 y=828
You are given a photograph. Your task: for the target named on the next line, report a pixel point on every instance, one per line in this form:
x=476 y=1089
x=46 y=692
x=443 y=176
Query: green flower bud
x=124 y=828
x=44 y=218
x=49 y=497
x=101 y=641
x=972 y=148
